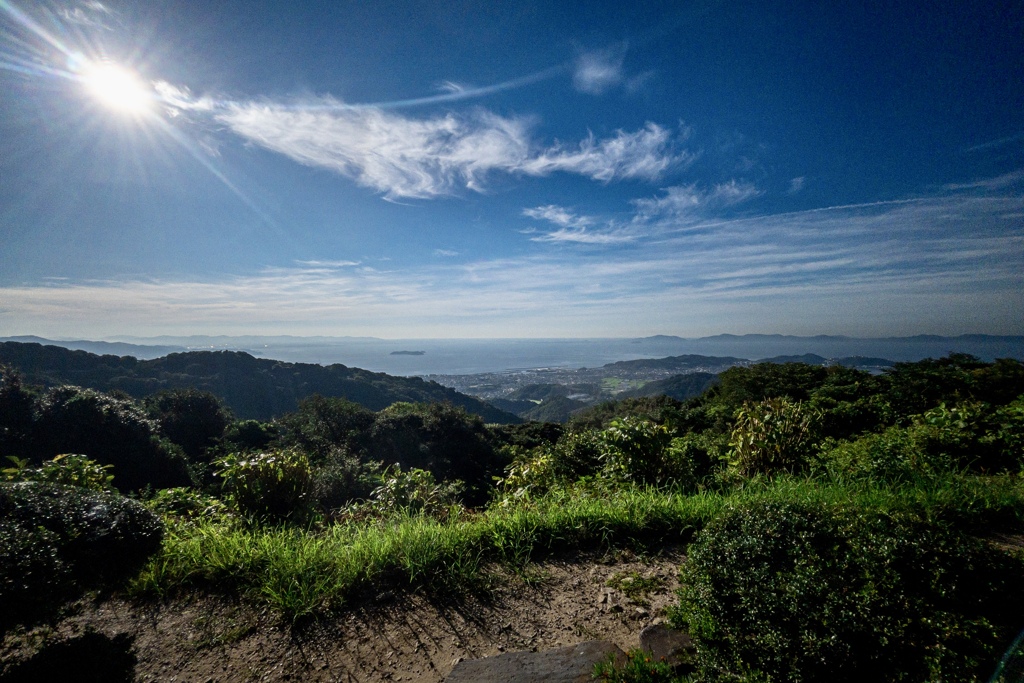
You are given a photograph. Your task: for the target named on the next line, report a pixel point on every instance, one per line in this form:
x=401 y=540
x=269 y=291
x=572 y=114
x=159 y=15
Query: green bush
x=775 y=435
x=112 y=431
x=187 y=505
x=16 y=406
x=248 y=435
x=794 y=592
x=189 y=418
x=273 y=485
x=414 y=492
x=67 y=469
x=57 y=541
x=440 y=438
x=320 y=425
x=969 y=437
x=646 y=453
x=341 y=479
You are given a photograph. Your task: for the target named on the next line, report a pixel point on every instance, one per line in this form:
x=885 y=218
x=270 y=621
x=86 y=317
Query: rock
x=663 y=642
x=570 y=664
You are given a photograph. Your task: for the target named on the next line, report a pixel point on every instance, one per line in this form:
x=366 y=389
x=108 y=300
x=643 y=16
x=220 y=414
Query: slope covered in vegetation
x=254 y=388
x=830 y=513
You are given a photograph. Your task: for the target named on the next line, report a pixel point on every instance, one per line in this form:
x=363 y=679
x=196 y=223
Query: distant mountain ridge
x=252 y=387
x=714 y=364
x=767 y=346
x=140 y=351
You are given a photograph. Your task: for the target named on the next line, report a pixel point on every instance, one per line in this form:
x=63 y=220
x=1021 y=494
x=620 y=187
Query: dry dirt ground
x=403 y=637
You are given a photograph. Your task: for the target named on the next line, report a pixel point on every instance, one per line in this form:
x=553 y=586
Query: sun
x=118 y=88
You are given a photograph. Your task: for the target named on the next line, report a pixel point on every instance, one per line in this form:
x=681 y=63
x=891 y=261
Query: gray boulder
x=570 y=664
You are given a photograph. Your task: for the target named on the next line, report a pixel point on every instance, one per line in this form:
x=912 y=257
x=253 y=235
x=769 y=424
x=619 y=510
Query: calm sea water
x=459 y=356
x=472 y=356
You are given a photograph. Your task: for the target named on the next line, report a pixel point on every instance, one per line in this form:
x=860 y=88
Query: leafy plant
x=112 y=431
x=797 y=592
x=67 y=469
x=774 y=435
x=272 y=485
x=635 y=450
x=414 y=492
x=187 y=504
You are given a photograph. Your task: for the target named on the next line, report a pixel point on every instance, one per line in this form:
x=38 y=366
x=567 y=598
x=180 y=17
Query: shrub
x=248 y=435
x=187 y=505
x=772 y=436
x=413 y=492
x=440 y=438
x=67 y=470
x=273 y=485
x=16 y=404
x=966 y=437
x=112 y=431
x=892 y=456
x=794 y=592
x=341 y=479
x=531 y=473
x=57 y=541
x=191 y=419
x=320 y=425
x=646 y=453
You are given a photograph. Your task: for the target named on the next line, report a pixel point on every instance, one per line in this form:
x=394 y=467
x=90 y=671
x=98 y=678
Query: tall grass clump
x=309 y=570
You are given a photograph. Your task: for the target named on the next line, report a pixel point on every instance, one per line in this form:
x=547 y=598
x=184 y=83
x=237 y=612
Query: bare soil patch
x=397 y=637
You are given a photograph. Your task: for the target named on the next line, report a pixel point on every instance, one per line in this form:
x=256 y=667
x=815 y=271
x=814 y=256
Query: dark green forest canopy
x=253 y=388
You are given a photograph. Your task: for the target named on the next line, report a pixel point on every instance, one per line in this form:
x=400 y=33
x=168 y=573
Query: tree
x=190 y=418
x=16 y=405
x=111 y=431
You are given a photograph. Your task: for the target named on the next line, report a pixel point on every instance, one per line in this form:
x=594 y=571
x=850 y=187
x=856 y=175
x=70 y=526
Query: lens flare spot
x=117 y=88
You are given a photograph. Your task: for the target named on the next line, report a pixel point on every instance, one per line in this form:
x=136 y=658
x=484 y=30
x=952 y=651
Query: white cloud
x=90 y=14
x=558 y=215
x=645 y=154
x=796 y=184
x=405 y=157
x=328 y=264
x=445 y=252
x=942 y=264
x=573 y=227
x=690 y=202
x=597 y=71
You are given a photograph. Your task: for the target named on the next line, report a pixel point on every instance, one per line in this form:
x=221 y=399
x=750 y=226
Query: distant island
x=408 y=353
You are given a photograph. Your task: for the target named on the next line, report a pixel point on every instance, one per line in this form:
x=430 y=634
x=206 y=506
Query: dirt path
x=407 y=638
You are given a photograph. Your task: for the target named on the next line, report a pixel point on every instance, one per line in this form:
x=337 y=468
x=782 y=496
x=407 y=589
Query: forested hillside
x=825 y=512
x=252 y=388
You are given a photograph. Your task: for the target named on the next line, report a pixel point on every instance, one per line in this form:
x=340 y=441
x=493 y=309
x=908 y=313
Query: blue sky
x=519 y=169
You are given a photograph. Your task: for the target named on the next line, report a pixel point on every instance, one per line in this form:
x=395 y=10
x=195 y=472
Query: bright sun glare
x=117 y=88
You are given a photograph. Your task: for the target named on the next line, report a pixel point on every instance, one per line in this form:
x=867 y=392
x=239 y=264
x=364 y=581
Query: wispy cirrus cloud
x=559 y=215
x=946 y=264
x=598 y=71
x=694 y=202
x=407 y=157
x=573 y=227
x=677 y=206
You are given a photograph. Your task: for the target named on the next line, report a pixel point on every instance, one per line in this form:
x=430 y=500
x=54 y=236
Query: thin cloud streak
x=878 y=264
